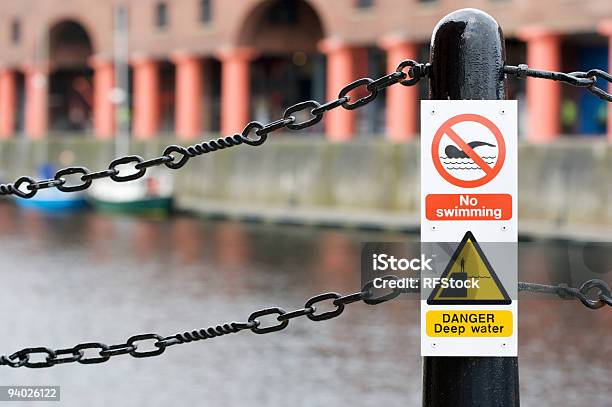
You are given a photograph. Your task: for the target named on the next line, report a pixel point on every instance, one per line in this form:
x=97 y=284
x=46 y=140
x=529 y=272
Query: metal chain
x=580 y=79
x=408 y=73
x=255 y=324
x=598 y=299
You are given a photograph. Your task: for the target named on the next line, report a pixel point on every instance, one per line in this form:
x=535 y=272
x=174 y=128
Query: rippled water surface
x=90 y=277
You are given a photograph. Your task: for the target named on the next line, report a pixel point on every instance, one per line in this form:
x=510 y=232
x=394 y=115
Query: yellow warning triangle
x=469 y=262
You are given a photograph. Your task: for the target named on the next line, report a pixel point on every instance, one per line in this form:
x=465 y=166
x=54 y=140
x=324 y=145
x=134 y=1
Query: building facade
x=196 y=66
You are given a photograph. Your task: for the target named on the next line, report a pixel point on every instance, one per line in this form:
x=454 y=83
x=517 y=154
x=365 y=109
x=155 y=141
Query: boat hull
x=146 y=206
x=52 y=205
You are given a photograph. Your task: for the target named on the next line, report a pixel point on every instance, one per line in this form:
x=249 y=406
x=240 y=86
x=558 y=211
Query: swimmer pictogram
x=465 y=162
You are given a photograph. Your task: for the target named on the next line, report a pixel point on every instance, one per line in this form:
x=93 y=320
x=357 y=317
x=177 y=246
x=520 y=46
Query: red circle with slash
x=446 y=129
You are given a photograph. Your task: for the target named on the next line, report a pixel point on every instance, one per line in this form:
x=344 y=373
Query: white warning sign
x=469 y=226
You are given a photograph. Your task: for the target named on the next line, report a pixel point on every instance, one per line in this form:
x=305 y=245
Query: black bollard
x=467 y=59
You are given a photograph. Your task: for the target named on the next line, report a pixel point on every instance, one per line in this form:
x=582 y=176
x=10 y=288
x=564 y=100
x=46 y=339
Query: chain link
x=580 y=79
x=408 y=73
x=277 y=319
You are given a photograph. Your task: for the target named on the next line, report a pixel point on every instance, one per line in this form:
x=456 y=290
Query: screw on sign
x=466 y=160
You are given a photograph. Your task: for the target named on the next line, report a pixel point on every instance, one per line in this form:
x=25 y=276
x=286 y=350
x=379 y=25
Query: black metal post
x=467 y=59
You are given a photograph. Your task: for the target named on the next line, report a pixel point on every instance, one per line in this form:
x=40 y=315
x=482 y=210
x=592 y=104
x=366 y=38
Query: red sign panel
x=468 y=206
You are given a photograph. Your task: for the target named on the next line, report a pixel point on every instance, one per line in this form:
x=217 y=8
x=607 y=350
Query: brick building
x=211 y=65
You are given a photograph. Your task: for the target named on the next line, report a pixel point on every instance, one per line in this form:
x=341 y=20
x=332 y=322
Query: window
x=205 y=11
x=15 y=31
x=364 y=3
x=161 y=15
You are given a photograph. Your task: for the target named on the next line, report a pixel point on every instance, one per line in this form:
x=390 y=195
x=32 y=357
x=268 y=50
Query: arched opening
x=288 y=69
x=70 y=79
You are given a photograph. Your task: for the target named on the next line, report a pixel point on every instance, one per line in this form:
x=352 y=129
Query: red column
x=188 y=95
x=146 y=98
x=8 y=101
x=36 y=82
x=605 y=28
x=235 y=89
x=402 y=101
x=339 y=123
x=543 y=97
x=103 y=107
x=359 y=57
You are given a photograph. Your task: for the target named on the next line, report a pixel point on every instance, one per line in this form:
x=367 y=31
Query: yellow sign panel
x=469 y=323
x=472 y=279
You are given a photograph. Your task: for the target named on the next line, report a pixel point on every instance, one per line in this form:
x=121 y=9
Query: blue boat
x=52 y=200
